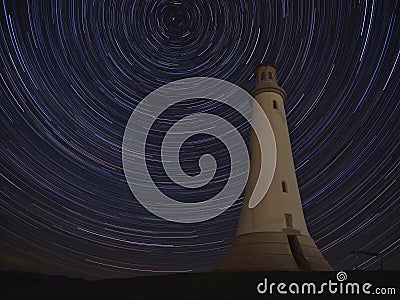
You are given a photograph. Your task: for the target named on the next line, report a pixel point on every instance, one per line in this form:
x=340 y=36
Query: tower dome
x=267 y=80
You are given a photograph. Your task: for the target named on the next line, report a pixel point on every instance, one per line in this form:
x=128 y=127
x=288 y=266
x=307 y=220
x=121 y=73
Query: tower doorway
x=297 y=253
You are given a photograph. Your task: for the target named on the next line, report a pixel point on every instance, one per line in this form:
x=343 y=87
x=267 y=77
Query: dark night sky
x=73 y=72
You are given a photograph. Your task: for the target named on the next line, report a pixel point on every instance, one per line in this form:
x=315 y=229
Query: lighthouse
x=272 y=233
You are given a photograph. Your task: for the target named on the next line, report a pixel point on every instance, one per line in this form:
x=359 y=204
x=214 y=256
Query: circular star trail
x=73 y=72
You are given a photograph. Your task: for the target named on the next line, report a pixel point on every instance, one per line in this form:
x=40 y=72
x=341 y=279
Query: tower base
x=273 y=251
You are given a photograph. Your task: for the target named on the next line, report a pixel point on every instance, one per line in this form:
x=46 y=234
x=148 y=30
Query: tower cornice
x=274 y=89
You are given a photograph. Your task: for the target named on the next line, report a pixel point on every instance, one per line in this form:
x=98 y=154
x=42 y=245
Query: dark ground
x=21 y=285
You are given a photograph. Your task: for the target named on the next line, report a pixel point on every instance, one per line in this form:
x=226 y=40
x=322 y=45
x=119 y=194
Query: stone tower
x=272 y=235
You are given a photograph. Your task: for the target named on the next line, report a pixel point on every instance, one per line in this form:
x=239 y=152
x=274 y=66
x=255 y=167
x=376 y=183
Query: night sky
x=73 y=72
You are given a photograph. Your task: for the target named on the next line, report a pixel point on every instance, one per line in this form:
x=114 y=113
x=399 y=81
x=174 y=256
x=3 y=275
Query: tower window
x=289 y=220
x=262 y=75
x=275 y=104
x=284 y=186
x=270 y=75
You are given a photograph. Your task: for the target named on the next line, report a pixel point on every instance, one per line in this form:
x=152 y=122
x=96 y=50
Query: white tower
x=273 y=235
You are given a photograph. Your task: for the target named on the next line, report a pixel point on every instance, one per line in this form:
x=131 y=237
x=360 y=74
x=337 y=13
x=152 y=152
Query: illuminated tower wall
x=273 y=235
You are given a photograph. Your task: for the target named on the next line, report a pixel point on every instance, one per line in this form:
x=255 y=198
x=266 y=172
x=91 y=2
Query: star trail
x=72 y=72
